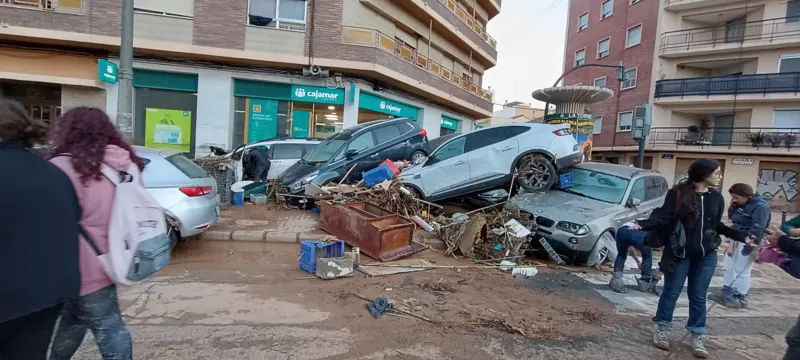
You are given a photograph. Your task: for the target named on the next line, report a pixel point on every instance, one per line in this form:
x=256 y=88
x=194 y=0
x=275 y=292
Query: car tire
x=601 y=250
x=417 y=157
x=538 y=173
x=174 y=236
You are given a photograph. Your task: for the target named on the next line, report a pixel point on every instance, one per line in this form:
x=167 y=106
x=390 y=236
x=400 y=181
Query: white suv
x=283 y=153
x=488 y=158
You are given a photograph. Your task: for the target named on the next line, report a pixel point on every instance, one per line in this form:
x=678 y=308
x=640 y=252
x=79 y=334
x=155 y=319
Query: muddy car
x=580 y=221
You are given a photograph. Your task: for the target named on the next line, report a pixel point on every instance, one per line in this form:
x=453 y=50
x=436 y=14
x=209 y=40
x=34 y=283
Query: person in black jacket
x=692 y=216
x=791 y=246
x=39 y=215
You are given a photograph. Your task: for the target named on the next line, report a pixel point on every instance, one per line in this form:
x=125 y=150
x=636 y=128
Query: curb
x=271 y=237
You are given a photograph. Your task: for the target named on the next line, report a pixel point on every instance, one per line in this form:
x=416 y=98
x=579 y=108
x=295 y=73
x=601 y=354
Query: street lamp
x=620 y=75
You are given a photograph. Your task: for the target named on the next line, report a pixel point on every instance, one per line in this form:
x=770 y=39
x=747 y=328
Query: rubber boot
x=616 y=284
x=646 y=285
x=729 y=299
x=742 y=299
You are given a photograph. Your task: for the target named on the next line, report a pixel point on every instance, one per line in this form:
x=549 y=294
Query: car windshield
x=597 y=185
x=328 y=148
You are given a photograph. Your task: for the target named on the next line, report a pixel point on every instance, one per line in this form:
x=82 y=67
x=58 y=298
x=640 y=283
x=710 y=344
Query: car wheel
x=418 y=157
x=536 y=173
x=605 y=248
x=174 y=236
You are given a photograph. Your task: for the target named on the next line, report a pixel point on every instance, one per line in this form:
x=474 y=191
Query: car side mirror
x=634 y=202
x=351 y=153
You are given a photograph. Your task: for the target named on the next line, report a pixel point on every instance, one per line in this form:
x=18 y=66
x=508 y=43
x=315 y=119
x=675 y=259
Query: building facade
x=226 y=73
x=608 y=32
x=512 y=112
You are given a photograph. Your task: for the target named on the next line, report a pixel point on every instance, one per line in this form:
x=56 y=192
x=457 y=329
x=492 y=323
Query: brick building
x=227 y=72
x=607 y=32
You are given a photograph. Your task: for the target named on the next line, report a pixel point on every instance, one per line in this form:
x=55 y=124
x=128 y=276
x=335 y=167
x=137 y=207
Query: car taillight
x=561 y=132
x=194 y=191
x=423 y=133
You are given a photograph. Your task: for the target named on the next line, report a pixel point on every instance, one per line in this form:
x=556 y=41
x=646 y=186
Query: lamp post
x=620 y=75
x=124 y=120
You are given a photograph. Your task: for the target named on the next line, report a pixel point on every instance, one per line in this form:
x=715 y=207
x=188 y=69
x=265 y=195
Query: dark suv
x=365 y=146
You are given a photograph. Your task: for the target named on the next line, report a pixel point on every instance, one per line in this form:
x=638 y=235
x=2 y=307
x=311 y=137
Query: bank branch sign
x=107 y=71
x=317 y=94
x=385 y=106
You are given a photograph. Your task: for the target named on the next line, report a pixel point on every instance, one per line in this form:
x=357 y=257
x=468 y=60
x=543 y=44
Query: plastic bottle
x=525 y=271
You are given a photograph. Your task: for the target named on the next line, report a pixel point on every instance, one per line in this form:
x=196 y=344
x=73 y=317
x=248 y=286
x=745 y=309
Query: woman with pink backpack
x=84 y=140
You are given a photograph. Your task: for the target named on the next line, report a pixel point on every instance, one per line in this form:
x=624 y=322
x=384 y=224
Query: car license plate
x=565 y=180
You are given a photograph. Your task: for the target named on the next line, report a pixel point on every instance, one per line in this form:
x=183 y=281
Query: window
x=606 y=9
x=793 y=11
x=603 y=48
x=628 y=79
x=287 y=151
x=362 y=142
x=638 y=190
x=386 y=133
x=283 y=14
x=600 y=82
x=655 y=187
x=516 y=130
x=786 y=119
x=183 y=8
x=789 y=63
x=50 y=5
x=450 y=150
x=186 y=166
x=634 y=36
x=625 y=121
x=598 y=125
x=485 y=138
x=580 y=57
x=583 y=21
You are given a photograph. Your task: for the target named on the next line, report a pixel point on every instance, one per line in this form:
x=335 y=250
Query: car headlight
x=577 y=229
x=305 y=180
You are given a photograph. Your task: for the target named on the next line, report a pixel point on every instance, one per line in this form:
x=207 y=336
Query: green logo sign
x=107 y=71
x=449 y=123
x=478 y=127
x=317 y=94
x=385 y=106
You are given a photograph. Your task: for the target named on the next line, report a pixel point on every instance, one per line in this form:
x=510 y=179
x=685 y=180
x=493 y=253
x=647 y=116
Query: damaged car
x=490 y=158
x=580 y=220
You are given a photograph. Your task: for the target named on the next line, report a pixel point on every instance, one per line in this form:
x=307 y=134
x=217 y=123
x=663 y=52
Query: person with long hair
x=692 y=216
x=750 y=214
x=83 y=140
x=39 y=247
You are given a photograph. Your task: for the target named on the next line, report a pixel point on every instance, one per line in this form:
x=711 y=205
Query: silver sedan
x=186 y=192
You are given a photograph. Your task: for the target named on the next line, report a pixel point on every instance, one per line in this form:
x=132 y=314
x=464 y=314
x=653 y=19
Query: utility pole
x=640 y=128
x=125 y=95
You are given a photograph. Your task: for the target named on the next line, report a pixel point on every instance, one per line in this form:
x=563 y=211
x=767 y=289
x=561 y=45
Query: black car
x=365 y=146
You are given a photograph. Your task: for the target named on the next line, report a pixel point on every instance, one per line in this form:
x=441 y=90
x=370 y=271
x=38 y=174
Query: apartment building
x=727 y=78
x=224 y=73
x=608 y=32
x=512 y=112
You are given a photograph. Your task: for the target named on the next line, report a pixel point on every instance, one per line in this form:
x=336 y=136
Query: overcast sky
x=530 y=45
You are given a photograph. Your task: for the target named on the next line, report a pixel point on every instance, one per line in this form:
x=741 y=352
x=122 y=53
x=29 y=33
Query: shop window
x=446 y=131
x=282 y=14
x=287 y=151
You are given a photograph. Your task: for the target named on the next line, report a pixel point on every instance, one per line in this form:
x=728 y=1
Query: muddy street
x=225 y=300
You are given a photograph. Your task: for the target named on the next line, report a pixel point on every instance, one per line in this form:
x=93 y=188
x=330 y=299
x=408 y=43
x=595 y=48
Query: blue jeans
x=699 y=271
x=100 y=313
x=627 y=238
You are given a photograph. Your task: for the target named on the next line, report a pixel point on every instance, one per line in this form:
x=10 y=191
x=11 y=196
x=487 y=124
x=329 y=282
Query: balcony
x=682 y=5
x=407 y=61
x=467 y=19
x=756 y=84
x=743 y=140
x=749 y=36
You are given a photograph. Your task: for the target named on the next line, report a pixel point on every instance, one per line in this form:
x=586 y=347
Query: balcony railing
x=472 y=23
x=785 y=138
x=766 y=30
x=375 y=38
x=730 y=85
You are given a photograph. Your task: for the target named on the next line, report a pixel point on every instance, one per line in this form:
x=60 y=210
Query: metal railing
x=785 y=138
x=472 y=23
x=730 y=85
x=767 y=30
x=375 y=38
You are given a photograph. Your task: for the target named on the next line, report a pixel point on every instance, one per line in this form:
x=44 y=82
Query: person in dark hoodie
x=692 y=219
x=791 y=246
x=39 y=215
x=750 y=214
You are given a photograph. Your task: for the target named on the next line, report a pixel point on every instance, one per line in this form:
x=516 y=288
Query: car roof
x=363 y=126
x=616 y=169
x=144 y=152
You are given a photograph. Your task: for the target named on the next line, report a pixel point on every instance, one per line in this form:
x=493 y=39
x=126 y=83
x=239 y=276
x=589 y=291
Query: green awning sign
x=385 y=106
x=449 y=123
x=317 y=94
x=478 y=127
x=107 y=71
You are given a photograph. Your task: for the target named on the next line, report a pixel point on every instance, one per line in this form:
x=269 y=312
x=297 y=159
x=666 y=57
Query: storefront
x=372 y=107
x=449 y=126
x=265 y=110
x=165 y=110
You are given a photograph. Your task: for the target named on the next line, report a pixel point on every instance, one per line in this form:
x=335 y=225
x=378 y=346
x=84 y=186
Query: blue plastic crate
x=377 y=175
x=310 y=251
x=565 y=180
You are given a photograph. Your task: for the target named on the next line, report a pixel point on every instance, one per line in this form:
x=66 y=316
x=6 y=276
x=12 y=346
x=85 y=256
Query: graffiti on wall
x=779 y=185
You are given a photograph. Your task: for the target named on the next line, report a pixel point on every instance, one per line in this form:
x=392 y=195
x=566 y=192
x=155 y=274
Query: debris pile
x=221 y=169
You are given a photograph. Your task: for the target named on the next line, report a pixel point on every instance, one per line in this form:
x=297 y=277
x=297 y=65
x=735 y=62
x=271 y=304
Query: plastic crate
x=377 y=175
x=310 y=251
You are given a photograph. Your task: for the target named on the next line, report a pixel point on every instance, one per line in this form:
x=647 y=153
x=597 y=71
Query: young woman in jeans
x=83 y=140
x=696 y=208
